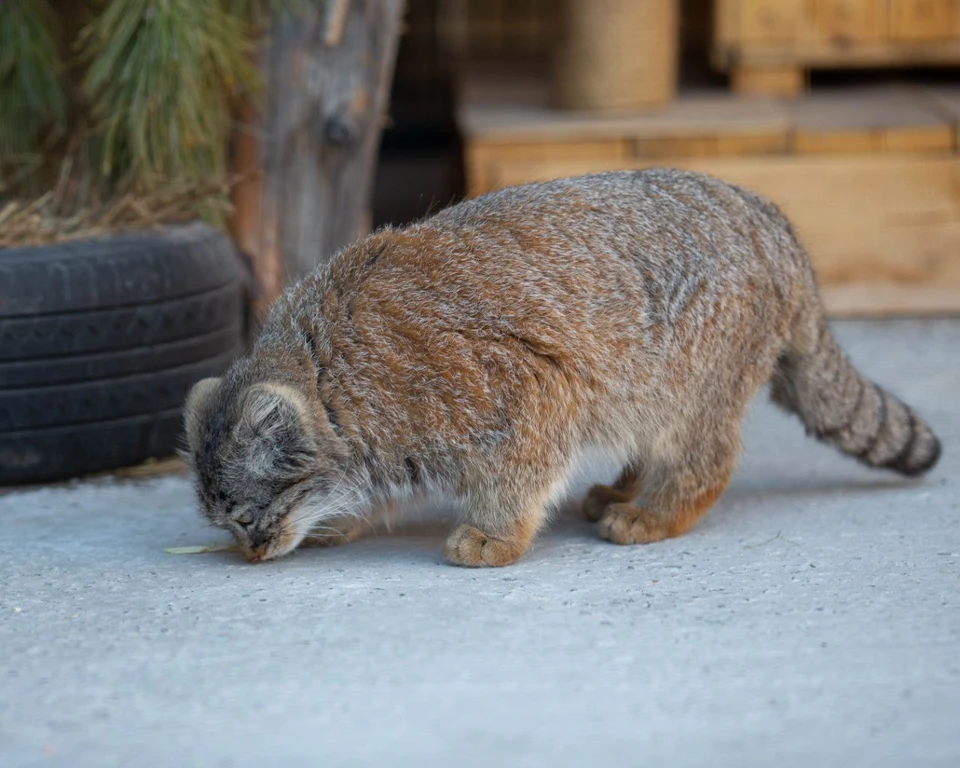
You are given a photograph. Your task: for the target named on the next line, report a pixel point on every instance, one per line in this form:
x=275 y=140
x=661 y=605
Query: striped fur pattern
x=477 y=354
x=839 y=406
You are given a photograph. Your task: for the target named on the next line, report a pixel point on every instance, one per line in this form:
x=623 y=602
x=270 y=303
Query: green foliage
x=153 y=89
x=31 y=97
x=160 y=76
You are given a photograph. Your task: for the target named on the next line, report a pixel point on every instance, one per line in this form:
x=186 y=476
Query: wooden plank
x=503 y=133
x=923 y=20
x=514 y=120
x=782 y=80
x=906 y=227
x=761 y=143
x=739 y=23
x=533 y=151
x=824 y=54
x=754 y=39
x=850 y=120
x=726 y=23
x=770 y=21
x=873 y=300
x=858 y=120
x=888 y=119
x=919 y=139
x=848 y=22
x=482 y=159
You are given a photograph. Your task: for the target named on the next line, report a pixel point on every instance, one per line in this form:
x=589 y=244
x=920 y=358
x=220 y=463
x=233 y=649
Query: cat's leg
x=501 y=522
x=680 y=489
x=626 y=487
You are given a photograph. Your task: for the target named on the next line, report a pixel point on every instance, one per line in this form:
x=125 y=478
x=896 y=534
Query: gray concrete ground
x=813 y=619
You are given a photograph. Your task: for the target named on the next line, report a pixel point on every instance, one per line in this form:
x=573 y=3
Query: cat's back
x=564 y=253
x=662 y=221
x=644 y=201
x=653 y=226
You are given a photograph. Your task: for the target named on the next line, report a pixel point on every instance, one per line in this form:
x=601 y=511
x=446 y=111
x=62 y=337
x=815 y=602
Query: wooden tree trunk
x=328 y=72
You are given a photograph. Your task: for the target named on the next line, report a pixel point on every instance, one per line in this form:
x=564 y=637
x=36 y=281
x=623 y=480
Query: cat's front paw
x=470 y=546
x=627 y=524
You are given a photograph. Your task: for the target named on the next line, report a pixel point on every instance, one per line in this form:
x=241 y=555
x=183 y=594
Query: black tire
x=87 y=448
x=100 y=342
x=35 y=336
x=119 y=271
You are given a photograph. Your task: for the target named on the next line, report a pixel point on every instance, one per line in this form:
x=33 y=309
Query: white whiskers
x=343 y=501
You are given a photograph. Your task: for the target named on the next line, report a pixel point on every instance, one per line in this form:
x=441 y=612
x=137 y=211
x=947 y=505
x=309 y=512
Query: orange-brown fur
x=479 y=353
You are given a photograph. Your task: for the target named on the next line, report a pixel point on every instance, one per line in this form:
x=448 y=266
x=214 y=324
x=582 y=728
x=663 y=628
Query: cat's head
x=265 y=469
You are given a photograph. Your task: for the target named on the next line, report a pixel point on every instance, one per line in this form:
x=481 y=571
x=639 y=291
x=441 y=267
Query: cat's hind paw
x=627 y=524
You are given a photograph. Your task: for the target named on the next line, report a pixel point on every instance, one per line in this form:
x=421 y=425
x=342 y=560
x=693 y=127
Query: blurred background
x=351 y=114
x=844 y=112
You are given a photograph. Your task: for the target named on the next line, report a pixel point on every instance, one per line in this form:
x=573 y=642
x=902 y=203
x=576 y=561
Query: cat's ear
x=196 y=410
x=276 y=430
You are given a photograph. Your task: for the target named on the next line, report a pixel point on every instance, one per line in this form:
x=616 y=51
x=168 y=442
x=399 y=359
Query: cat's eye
x=244 y=518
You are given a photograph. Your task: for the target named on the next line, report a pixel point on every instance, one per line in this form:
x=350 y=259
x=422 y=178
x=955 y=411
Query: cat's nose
x=255 y=556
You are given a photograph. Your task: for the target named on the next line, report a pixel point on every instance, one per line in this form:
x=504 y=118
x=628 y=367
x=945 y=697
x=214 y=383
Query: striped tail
x=846 y=410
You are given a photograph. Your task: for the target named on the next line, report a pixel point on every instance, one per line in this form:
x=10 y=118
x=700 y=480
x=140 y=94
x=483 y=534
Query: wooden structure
x=768 y=46
x=615 y=54
x=328 y=70
x=869 y=177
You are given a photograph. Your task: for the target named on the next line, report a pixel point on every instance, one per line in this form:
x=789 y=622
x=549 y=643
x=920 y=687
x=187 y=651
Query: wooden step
x=870 y=178
x=768 y=47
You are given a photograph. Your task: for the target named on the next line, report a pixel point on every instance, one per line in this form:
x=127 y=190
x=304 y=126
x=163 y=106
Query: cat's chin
x=284 y=544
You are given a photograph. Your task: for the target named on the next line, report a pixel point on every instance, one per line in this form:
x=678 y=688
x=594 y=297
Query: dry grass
x=46 y=220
